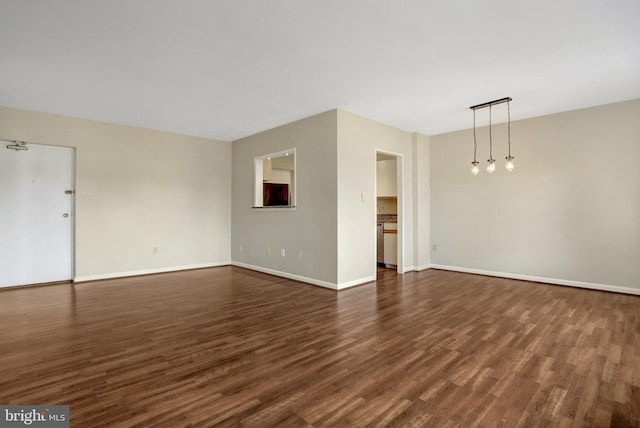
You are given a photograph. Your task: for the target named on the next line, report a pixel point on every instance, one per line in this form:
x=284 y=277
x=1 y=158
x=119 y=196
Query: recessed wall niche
x=275 y=180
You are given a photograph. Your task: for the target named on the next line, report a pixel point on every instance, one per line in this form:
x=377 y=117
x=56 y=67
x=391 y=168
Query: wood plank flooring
x=232 y=347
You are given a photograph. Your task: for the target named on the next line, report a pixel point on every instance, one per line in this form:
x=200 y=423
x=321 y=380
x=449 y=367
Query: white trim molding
x=356 y=282
x=85 y=278
x=287 y=275
x=300 y=278
x=554 y=281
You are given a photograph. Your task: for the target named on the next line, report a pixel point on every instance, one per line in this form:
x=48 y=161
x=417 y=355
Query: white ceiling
x=230 y=68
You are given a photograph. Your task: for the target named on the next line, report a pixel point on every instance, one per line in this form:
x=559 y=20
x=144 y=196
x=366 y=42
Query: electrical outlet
x=300 y=254
x=268 y=250
x=434 y=247
x=155 y=249
x=282 y=253
x=241 y=249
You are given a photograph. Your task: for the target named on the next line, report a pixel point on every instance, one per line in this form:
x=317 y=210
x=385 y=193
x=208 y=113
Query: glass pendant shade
x=492 y=166
x=509 y=163
x=475 y=167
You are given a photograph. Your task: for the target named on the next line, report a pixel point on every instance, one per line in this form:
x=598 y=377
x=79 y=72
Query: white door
x=36 y=215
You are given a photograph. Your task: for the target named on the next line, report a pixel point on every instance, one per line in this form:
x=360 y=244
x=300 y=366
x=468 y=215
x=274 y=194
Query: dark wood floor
x=229 y=347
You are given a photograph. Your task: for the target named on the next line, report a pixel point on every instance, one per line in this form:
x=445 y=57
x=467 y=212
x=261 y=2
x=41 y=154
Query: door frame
x=400 y=191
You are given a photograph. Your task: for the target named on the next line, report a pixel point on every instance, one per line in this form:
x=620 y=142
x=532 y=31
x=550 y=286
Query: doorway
x=389 y=243
x=37 y=217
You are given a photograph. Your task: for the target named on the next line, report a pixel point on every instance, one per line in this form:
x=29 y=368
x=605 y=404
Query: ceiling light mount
x=491 y=103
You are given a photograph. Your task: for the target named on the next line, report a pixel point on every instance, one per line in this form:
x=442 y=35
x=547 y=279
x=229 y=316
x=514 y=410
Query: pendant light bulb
x=509 y=163
x=475 y=167
x=492 y=166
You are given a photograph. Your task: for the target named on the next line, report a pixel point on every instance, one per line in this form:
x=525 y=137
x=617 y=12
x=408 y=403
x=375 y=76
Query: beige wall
x=421 y=201
x=310 y=228
x=359 y=139
x=136 y=189
x=569 y=211
x=332 y=225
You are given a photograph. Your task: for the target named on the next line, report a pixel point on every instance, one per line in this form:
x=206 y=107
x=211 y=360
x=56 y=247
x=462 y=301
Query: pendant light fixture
x=509 y=159
x=491 y=165
x=475 y=165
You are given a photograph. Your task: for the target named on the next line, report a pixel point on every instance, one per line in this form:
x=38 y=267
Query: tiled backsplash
x=388 y=218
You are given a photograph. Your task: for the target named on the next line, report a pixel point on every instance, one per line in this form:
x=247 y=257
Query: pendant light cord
x=509 y=127
x=490 y=138
x=475 y=142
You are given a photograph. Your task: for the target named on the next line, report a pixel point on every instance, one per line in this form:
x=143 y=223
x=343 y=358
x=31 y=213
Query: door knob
x=65 y=215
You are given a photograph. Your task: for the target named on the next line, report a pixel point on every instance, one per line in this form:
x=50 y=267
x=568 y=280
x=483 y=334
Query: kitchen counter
x=387 y=218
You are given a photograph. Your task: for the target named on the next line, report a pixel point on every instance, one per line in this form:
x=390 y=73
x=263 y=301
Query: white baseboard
x=405 y=269
x=356 y=282
x=287 y=275
x=308 y=280
x=353 y=283
x=555 y=281
x=85 y=278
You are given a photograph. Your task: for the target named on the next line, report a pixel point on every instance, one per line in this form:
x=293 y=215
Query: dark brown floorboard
x=232 y=347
